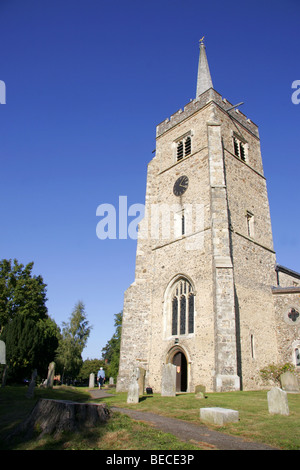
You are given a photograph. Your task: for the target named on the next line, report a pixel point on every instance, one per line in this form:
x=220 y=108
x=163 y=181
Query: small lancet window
x=250 y=224
x=252 y=346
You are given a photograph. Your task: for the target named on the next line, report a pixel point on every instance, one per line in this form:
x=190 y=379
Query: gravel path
x=197 y=433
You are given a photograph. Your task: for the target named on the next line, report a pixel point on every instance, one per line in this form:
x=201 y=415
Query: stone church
x=208 y=295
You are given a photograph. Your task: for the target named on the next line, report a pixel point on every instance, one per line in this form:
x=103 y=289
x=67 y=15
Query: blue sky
x=86 y=84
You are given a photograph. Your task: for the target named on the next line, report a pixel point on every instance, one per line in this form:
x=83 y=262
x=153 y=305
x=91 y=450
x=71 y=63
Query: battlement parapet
x=195 y=105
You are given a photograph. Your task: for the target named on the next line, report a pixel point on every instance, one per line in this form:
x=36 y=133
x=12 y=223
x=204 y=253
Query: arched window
x=183 y=307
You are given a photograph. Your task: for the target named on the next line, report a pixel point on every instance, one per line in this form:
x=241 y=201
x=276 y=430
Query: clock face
x=180 y=185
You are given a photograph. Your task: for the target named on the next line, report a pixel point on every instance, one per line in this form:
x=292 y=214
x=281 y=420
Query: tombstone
x=92 y=380
x=133 y=389
x=30 y=391
x=3 y=361
x=50 y=378
x=219 y=416
x=111 y=381
x=200 y=391
x=141 y=380
x=289 y=382
x=2 y=352
x=168 y=382
x=277 y=401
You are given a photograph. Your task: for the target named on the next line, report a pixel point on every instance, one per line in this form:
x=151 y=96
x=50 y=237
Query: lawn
x=118 y=434
x=255 y=421
x=121 y=432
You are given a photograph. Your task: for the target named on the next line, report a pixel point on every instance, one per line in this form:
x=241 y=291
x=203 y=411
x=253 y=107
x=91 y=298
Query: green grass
x=255 y=421
x=118 y=434
x=121 y=432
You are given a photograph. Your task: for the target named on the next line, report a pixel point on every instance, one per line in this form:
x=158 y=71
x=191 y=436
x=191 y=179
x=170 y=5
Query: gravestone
x=141 y=380
x=92 y=380
x=2 y=352
x=3 y=361
x=30 y=391
x=200 y=391
x=219 y=416
x=289 y=382
x=168 y=382
x=133 y=389
x=277 y=401
x=111 y=381
x=50 y=378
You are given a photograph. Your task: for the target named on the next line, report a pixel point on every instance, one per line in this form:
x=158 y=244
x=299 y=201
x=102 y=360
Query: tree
x=30 y=344
x=21 y=293
x=31 y=336
x=88 y=367
x=75 y=334
x=111 y=351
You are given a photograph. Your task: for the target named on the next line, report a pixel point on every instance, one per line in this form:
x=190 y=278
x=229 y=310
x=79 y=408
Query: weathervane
x=201 y=40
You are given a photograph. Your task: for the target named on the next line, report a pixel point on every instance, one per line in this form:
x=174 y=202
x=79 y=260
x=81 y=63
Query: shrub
x=273 y=372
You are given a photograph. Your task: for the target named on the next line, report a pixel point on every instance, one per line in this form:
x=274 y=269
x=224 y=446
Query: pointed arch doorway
x=177 y=357
x=179 y=360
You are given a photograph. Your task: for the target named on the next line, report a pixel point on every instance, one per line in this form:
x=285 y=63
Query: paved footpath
x=197 y=433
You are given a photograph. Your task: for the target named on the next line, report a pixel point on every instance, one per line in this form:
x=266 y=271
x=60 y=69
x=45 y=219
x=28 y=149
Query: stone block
x=219 y=416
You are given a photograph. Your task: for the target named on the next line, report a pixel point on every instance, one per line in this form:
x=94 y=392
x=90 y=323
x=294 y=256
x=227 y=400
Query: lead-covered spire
x=204 y=81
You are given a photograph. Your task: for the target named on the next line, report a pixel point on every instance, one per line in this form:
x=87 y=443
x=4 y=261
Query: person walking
x=100 y=377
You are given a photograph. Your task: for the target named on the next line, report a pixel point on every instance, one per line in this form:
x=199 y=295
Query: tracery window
x=183 y=308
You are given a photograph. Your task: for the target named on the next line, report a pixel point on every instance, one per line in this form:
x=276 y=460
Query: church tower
x=205 y=262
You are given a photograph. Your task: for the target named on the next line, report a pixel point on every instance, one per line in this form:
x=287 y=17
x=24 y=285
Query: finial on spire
x=204 y=81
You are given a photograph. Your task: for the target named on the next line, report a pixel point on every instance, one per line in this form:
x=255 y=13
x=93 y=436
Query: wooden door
x=179 y=360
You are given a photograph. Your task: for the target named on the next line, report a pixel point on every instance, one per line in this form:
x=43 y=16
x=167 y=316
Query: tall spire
x=204 y=81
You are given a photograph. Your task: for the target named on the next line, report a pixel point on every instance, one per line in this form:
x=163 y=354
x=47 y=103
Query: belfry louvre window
x=240 y=148
x=184 y=148
x=183 y=305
